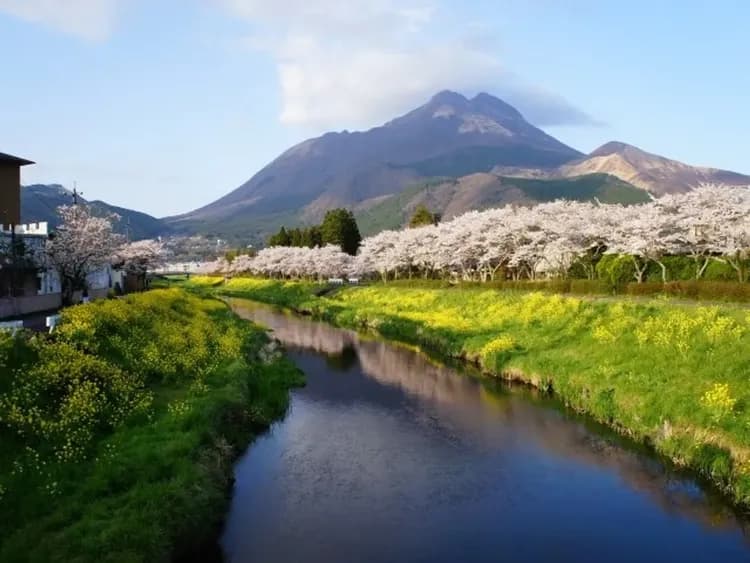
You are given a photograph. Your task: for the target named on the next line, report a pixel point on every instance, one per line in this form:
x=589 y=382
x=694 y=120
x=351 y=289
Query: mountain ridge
x=39 y=202
x=480 y=151
x=448 y=134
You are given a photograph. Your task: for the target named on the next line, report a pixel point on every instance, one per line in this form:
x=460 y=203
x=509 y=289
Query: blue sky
x=165 y=105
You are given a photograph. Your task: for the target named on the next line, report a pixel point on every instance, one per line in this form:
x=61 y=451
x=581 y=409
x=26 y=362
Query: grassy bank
x=119 y=431
x=672 y=375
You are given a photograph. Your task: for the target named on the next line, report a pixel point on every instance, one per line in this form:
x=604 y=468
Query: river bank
x=671 y=376
x=119 y=432
x=451 y=466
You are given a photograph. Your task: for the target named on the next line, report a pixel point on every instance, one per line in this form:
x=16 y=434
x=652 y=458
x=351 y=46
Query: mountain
x=451 y=197
x=650 y=172
x=40 y=201
x=448 y=136
x=453 y=154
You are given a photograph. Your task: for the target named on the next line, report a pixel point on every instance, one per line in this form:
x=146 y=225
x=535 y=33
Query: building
x=22 y=284
x=25 y=286
x=10 y=189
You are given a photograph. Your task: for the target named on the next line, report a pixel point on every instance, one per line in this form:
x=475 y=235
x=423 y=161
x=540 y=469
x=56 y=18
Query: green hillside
x=604 y=187
x=438 y=194
x=389 y=214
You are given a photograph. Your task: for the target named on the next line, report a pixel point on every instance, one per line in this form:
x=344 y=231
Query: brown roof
x=10 y=159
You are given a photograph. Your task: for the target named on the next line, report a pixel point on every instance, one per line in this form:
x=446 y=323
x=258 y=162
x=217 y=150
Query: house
x=10 y=188
x=21 y=283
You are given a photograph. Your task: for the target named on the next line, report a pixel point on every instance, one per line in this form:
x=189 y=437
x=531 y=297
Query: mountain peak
x=448 y=97
x=614 y=147
x=449 y=135
x=482 y=106
x=492 y=105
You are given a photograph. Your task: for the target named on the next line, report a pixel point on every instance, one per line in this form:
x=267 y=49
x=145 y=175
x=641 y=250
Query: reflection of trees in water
x=343 y=361
x=491 y=415
x=293 y=331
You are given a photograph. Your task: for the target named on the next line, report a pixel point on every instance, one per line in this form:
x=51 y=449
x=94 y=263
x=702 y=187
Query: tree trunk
x=700 y=267
x=640 y=270
x=66 y=288
x=736 y=264
x=663 y=271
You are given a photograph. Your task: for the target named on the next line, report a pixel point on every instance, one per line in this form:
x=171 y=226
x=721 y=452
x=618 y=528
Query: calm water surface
x=385 y=456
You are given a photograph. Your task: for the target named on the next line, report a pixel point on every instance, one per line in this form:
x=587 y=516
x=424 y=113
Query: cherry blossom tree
x=717 y=225
x=82 y=244
x=707 y=223
x=137 y=258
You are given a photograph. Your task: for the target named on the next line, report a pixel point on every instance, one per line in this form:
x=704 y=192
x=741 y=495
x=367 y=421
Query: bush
x=615 y=271
x=678 y=268
x=61 y=400
x=719 y=271
x=162 y=335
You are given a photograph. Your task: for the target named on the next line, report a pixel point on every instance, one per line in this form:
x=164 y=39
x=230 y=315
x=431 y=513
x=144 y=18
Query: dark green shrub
x=678 y=268
x=719 y=271
x=615 y=270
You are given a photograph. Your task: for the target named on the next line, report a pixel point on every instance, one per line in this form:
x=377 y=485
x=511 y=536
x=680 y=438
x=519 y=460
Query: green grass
x=653 y=370
x=153 y=487
x=707 y=291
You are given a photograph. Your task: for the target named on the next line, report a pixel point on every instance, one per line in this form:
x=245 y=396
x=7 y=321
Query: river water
x=386 y=456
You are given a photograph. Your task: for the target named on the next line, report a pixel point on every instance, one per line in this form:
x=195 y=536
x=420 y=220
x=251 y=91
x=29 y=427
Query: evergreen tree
x=340 y=228
x=422 y=217
x=279 y=239
x=311 y=237
x=295 y=237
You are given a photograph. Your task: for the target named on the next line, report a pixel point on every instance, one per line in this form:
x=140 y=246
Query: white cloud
x=90 y=19
x=357 y=63
x=348 y=63
x=367 y=85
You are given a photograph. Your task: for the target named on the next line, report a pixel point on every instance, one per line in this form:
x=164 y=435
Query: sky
x=166 y=105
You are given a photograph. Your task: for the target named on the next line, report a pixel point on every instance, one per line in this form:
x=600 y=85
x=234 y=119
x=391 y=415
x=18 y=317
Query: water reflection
x=395 y=438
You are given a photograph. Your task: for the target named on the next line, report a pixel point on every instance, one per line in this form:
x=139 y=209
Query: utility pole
x=76 y=193
x=127 y=229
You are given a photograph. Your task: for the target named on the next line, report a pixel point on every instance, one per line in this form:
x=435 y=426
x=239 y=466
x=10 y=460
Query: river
x=387 y=456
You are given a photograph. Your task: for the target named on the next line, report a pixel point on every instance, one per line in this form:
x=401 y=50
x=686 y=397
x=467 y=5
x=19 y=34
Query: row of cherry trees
x=708 y=223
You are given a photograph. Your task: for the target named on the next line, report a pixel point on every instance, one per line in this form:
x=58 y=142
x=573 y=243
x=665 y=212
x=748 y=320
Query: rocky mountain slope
x=650 y=172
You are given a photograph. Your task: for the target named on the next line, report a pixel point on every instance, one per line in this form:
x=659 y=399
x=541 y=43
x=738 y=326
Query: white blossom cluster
x=289 y=262
x=708 y=223
x=139 y=257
